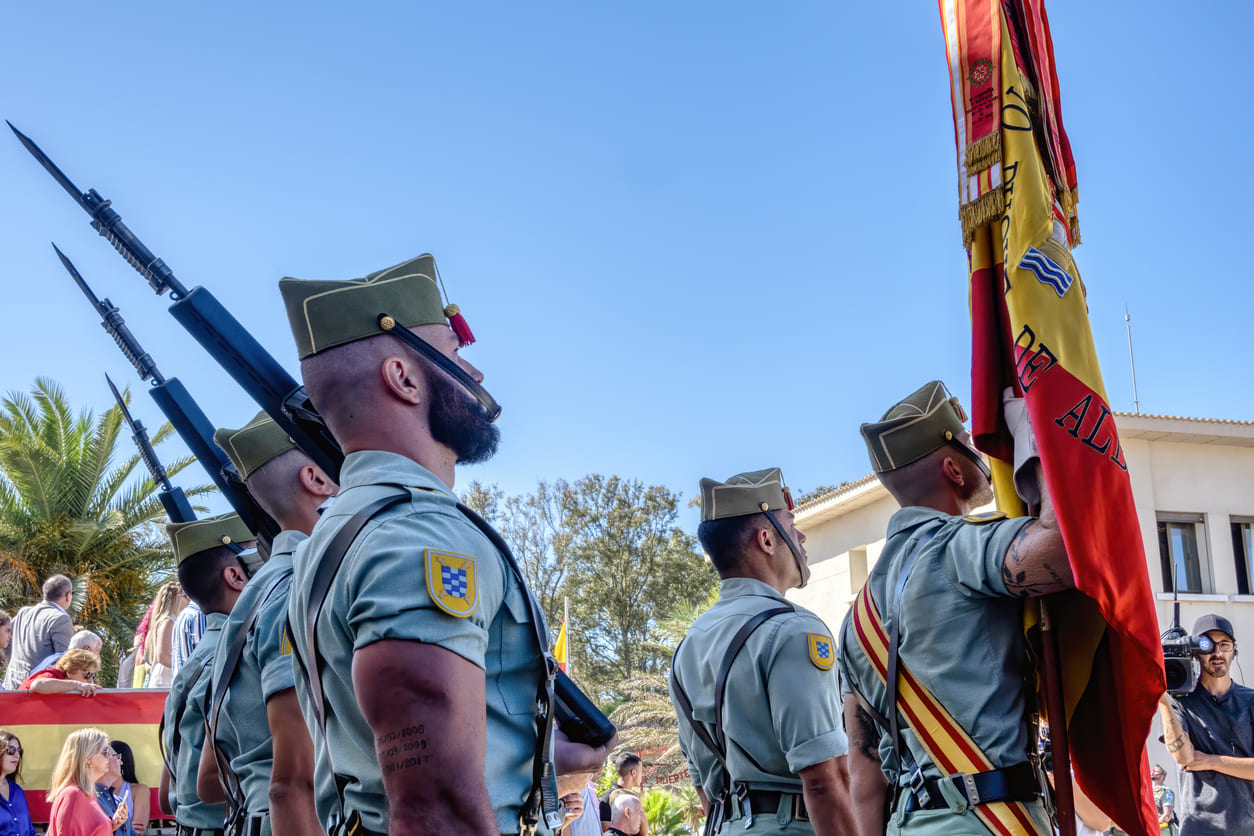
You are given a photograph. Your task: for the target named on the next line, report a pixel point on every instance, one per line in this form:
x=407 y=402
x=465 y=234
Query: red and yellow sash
x=947 y=744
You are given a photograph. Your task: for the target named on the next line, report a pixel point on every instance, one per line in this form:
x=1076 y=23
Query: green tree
x=66 y=506
x=630 y=565
x=666 y=811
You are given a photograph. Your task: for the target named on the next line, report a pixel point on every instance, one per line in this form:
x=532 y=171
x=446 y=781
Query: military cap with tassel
x=326 y=314
x=925 y=421
x=744 y=493
x=756 y=492
x=254 y=444
x=191 y=538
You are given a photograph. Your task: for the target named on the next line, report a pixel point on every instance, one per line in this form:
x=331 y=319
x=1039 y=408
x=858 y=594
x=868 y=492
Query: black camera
x=1179 y=652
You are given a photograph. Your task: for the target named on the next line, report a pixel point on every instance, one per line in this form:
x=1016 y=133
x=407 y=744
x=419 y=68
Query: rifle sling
x=717 y=743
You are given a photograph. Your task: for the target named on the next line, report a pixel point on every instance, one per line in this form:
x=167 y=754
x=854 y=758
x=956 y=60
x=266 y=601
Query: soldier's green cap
x=744 y=493
x=254 y=444
x=191 y=538
x=326 y=314
x=925 y=421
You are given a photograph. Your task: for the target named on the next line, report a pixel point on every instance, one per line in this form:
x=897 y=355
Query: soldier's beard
x=458 y=421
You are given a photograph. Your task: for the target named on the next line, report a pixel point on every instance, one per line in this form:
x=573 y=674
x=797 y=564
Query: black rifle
x=176 y=403
x=177 y=508
x=261 y=376
x=211 y=325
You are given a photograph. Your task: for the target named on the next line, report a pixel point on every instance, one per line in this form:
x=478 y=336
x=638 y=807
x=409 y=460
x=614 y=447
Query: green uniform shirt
x=419 y=571
x=264 y=669
x=782 y=710
x=961 y=631
x=190 y=811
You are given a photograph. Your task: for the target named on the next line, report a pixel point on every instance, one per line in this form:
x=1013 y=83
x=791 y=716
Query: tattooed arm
x=867 y=788
x=425 y=706
x=1036 y=560
x=1175 y=737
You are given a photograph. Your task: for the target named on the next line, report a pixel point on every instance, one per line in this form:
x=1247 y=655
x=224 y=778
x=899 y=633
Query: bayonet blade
x=140 y=436
x=46 y=162
x=78 y=278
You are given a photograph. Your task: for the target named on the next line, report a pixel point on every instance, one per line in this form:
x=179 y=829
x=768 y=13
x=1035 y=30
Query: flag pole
x=1063 y=796
x=570 y=667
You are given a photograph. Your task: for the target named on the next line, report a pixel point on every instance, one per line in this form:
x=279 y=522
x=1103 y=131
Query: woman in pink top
x=73 y=795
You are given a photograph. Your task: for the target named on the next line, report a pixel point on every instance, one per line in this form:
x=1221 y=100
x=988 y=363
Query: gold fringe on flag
x=983 y=153
x=985 y=209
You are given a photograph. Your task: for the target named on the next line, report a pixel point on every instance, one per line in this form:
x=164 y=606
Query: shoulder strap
x=327 y=566
x=717 y=743
x=894 y=644
x=171 y=757
x=222 y=684
x=543 y=798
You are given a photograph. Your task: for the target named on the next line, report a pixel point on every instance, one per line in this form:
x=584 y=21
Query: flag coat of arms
x=1030 y=332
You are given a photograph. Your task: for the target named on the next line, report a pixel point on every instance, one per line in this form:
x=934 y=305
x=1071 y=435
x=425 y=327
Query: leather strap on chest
x=229 y=779
x=170 y=757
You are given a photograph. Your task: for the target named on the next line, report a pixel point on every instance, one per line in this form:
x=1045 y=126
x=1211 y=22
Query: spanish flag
x=560 y=652
x=1030 y=331
x=42 y=722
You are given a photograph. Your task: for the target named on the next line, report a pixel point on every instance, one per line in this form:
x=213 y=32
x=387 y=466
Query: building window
x=1243 y=548
x=1180 y=539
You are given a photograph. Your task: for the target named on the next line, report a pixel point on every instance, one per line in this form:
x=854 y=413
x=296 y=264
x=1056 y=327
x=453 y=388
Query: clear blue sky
x=692 y=238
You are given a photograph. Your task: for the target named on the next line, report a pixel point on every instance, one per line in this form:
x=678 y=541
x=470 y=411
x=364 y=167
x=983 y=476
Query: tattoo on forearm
x=866 y=735
x=1023 y=573
x=402 y=749
x=1175 y=744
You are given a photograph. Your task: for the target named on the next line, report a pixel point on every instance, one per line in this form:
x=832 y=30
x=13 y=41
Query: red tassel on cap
x=788 y=499
x=458 y=323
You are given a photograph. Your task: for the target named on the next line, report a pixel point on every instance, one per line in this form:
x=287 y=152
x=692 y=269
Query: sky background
x=692 y=238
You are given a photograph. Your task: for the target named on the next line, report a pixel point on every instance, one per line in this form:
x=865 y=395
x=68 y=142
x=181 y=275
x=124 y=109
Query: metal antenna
x=1127 y=317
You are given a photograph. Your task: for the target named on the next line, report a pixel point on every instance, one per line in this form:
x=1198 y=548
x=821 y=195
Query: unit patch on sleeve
x=822 y=651
x=452 y=583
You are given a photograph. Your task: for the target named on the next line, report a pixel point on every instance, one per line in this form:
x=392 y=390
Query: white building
x=1193 y=485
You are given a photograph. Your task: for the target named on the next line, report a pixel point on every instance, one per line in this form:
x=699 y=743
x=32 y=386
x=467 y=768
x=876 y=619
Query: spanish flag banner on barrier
x=43 y=721
x=1030 y=331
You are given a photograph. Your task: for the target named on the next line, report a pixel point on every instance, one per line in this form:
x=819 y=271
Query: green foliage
x=821 y=490
x=609 y=776
x=67 y=506
x=613 y=548
x=667 y=813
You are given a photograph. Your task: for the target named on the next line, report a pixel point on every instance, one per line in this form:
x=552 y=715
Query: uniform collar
x=214 y=621
x=286 y=541
x=744 y=587
x=379 y=467
x=910 y=518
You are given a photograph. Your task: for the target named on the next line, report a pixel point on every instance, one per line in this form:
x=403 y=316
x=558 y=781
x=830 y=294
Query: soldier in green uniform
x=425 y=660
x=953 y=583
x=259 y=735
x=215 y=559
x=754 y=681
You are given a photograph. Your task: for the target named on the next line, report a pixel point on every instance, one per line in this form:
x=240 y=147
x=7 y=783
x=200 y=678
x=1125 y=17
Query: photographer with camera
x=1210 y=734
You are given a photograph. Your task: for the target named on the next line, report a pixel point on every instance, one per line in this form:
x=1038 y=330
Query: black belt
x=1014 y=783
x=766 y=803
x=254 y=823
x=184 y=830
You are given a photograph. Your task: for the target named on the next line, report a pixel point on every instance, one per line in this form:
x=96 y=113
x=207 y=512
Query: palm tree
x=66 y=507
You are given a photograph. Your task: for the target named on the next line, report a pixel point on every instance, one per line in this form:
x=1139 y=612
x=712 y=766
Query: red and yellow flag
x=1030 y=331
x=560 y=652
x=42 y=722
